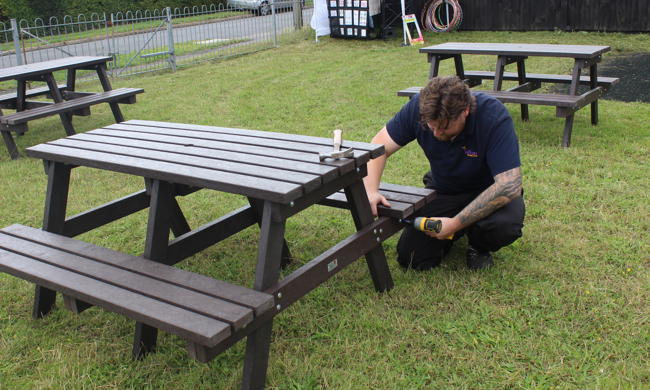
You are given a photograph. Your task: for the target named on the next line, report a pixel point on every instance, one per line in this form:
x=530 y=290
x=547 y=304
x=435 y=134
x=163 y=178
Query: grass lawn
x=566 y=306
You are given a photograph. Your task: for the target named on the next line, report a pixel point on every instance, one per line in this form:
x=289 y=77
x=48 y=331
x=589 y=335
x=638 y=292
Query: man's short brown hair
x=444 y=99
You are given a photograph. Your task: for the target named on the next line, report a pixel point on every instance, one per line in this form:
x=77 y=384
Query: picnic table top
x=519 y=49
x=37 y=68
x=273 y=166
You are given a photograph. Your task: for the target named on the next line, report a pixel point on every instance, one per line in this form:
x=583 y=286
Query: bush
x=18 y=9
x=31 y=9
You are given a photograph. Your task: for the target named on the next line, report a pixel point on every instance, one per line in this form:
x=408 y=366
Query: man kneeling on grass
x=470 y=142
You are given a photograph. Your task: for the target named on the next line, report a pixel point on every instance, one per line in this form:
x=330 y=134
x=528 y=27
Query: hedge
x=31 y=9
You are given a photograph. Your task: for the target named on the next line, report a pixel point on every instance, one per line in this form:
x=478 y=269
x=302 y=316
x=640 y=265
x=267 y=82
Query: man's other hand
x=375 y=198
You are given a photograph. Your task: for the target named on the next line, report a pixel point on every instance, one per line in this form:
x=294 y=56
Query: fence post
x=16 y=37
x=170 y=40
x=109 y=38
x=275 y=24
x=297 y=14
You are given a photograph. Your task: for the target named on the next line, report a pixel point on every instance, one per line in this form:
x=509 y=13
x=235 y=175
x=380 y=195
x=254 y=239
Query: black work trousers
x=501 y=228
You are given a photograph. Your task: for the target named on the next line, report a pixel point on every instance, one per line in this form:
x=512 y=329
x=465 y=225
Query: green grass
x=182 y=48
x=565 y=307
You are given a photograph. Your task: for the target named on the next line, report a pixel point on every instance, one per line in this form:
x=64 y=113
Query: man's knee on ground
x=418 y=251
x=500 y=229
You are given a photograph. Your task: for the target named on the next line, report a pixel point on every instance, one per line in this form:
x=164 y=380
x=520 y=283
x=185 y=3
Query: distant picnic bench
x=66 y=100
x=508 y=53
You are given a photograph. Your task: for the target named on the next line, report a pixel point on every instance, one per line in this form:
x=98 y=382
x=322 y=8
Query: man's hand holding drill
x=449 y=226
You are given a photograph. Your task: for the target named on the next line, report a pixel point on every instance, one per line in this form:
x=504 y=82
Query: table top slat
x=264 y=165
x=132 y=133
x=374 y=149
x=272 y=190
x=278 y=146
x=38 y=68
x=517 y=49
x=308 y=181
x=169 y=136
x=327 y=173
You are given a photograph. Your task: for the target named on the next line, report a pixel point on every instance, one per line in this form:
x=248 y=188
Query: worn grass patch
x=565 y=307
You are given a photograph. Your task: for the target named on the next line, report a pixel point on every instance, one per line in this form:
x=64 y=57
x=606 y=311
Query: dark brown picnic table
x=584 y=56
x=66 y=100
x=279 y=174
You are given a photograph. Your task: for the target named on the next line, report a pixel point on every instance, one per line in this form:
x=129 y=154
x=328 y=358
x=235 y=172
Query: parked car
x=261 y=7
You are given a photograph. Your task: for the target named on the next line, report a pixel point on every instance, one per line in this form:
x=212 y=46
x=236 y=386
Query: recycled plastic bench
x=66 y=100
x=18 y=120
x=280 y=174
x=584 y=56
x=195 y=307
x=209 y=314
x=474 y=77
x=9 y=100
x=566 y=104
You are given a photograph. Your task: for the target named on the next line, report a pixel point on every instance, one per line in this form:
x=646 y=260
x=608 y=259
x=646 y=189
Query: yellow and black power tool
x=426 y=224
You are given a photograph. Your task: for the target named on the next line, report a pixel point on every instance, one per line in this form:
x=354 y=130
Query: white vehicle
x=261 y=7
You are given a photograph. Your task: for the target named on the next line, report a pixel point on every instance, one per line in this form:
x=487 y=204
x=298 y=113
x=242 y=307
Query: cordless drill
x=426 y=224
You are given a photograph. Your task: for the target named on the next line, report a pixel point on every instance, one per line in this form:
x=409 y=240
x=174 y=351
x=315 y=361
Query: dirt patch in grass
x=634 y=72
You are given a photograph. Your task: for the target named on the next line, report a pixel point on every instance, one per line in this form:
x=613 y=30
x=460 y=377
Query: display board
x=349 y=18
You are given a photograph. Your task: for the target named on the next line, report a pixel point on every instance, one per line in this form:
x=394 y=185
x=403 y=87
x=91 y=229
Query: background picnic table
x=565 y=306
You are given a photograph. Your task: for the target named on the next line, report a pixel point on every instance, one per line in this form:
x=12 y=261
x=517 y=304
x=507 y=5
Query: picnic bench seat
x=476 y=75
x=565 y=104
x=404 y=200
x=8 y=100
x=121 y=95
x=197 y=308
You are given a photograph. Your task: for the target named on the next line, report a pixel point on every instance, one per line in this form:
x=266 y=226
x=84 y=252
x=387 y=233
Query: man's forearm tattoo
x=507 y=186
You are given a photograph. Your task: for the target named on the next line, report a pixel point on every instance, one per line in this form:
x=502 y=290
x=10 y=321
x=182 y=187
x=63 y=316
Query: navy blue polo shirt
x=486 y=147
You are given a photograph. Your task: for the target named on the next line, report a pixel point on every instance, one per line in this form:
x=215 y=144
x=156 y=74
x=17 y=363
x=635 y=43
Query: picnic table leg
x=593 y=83
x=568 y=128
x=573 y=90
x=458 y=63
x=66 y=118
x=498 y=73
x=56 y=200
x=435 y=65
x=106 y=85
x=266 y=275
x=178 y=223
x=521 y=76
x=362 y=215
x=157 y=241
x=21 y=91
x=12 y=148
x=71 y=80
x=258 y=206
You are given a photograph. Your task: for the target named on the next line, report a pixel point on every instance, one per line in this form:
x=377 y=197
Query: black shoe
x=478 y=260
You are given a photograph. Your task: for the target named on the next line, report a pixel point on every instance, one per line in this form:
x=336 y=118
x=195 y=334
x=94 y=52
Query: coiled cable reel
x=436 y=15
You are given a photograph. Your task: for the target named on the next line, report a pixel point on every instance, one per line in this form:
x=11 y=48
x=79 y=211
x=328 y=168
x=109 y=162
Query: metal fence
x=144 y=41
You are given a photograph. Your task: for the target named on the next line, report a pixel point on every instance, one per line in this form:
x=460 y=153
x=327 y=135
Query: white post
x=16 y=37
x=170 y=40
x=404 y=26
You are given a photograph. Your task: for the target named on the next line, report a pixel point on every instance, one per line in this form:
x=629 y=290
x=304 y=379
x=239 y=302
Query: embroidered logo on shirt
x=469 y=152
